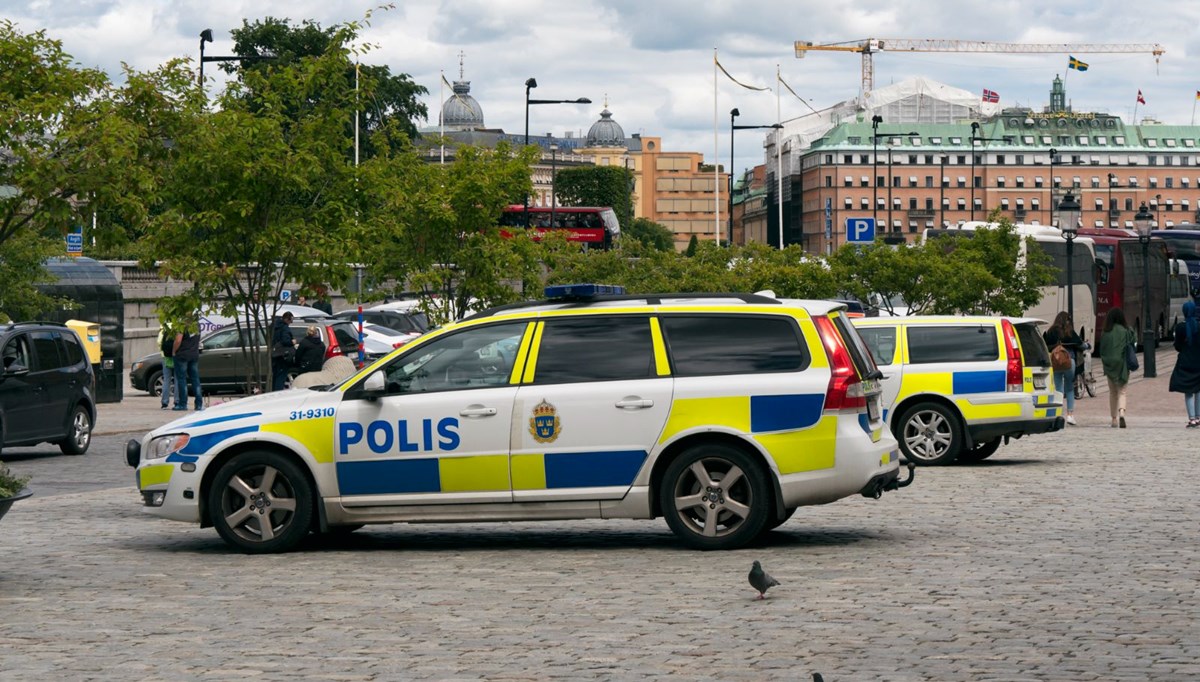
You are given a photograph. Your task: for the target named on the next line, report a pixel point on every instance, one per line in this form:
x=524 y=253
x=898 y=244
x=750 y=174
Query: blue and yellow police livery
x=722 y=414
x=956 y=387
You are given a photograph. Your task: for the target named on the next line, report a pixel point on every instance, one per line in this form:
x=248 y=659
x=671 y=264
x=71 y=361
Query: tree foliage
x=650 y=233
x=386 y=99
x=596 y=186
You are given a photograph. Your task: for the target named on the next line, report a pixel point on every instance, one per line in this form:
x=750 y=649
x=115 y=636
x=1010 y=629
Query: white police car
x=721 y=413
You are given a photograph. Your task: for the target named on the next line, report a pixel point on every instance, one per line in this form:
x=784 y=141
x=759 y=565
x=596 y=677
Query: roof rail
x=43 y=323
x=649 y=299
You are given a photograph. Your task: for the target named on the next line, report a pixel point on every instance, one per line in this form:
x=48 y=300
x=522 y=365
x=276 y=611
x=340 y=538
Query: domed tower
x=606 y=132
x=461 y=111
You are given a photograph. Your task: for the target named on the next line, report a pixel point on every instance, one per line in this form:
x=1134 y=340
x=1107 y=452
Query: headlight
x=136 y=366
x=164 y=445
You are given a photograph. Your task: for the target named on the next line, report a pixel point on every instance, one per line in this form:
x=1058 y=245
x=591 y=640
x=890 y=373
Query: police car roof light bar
x=577 y=291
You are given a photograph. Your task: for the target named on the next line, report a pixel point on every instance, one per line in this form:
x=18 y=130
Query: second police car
x=722 y=414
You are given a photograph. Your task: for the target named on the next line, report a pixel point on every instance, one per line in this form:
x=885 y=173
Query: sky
x=652 y=60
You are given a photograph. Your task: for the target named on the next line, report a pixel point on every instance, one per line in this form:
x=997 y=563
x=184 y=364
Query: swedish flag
x=1077 y=65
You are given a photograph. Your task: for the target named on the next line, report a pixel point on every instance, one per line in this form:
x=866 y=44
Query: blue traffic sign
x=860 y=230
x=75 y=243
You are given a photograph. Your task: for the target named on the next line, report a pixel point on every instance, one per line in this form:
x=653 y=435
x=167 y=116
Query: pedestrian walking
x=166 y=344
x=283 y=350
x=1062 y=333
x=1118 y=337
x=322 y=303
x=187 y=369
x=310 y=353
x=1185 y=378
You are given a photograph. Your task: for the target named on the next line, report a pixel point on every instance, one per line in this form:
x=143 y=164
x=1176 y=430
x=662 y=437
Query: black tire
x=1089 y=385
x=238 y=503
x=715 y=514
x=79 y=432
x=980 y=452
x=340 y=531
x=154 y=384
x=774 y=522
x=929 y=434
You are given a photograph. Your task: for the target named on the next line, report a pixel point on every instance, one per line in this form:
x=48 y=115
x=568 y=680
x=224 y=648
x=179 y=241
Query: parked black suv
x=47 y=387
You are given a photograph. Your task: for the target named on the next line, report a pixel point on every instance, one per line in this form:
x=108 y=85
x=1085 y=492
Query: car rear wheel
x=79 y=432
x=715 y=497
x=981 y=451
x=929 y=434
x=261 y=502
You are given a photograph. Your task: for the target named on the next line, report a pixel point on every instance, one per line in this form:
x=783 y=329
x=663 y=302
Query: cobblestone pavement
x=1068 y=556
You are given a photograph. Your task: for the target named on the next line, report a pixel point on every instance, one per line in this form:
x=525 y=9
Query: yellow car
x=954 y=388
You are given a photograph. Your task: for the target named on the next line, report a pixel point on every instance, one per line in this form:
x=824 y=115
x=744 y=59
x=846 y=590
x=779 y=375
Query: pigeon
x=761 y=580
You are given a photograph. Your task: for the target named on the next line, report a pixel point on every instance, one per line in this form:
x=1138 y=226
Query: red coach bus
x=595 y=227
x=1119 y=283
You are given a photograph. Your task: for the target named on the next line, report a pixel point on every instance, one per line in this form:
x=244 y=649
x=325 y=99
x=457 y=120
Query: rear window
x=957 y=343
x=858 y=349
x=74 y=351
x=706 y=345
x=881 y=341
x=1033 y=347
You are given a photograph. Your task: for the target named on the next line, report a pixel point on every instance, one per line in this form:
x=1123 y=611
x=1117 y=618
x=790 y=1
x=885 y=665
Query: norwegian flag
x=991 y=96
x=1141 y=100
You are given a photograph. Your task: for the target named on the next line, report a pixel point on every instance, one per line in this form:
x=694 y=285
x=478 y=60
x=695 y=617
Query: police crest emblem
x=545 y=425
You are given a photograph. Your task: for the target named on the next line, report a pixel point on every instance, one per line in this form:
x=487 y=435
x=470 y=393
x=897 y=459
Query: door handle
x=478 y=411
x=634 y=403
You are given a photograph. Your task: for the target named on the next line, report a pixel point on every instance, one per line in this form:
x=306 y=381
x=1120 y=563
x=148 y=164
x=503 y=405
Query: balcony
x=1019 y=214
x=921 y=213
x=1114 y=215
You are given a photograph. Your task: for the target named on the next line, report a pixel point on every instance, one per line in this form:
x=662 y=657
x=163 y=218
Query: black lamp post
x=1143 y=222
x=875 y=121
x=942 y=185
x=975 y=137
x=1112 y=179
x=531 y=83
x=206 y=36
x=553 y=174
x=733 y=114
x=1068 y=222
x=889 y=136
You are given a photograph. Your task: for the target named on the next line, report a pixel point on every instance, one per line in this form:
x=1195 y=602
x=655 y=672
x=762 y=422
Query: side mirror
x=375 y=386
x=15 y=370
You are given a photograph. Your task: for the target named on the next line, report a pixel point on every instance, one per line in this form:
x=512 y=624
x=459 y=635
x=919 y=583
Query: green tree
x=596 y=186
x=437 y=230
x=650 y=233
x=385 y=98
x=693 y=244
x=261 y=192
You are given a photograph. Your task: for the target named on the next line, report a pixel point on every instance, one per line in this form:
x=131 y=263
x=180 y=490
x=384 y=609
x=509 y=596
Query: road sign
x=285 y=296
x=75 y=242
x=860 y=230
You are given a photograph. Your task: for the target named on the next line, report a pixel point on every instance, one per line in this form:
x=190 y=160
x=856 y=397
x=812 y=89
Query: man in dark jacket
x=283 y=346
x=310 y=354
x=322 y=303
x=187 y=369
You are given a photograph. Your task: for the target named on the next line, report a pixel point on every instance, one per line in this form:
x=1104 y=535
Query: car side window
x=881 y=341
x=708 y=345
x=73 y=351
x=607 y=348
x=227 y=338
x=45 y=348
x=478 y=357
x=958 y=343
x=16 y=353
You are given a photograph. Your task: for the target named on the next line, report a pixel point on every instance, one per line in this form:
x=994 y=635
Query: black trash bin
x=97 y=294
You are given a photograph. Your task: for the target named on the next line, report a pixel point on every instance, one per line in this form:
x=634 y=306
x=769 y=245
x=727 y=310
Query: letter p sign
x=860 y=230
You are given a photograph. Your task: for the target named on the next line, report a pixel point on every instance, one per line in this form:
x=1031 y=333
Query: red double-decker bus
x=1121 y=276
x=595 y=227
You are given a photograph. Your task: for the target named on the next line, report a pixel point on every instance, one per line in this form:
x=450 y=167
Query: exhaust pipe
x=876 y=488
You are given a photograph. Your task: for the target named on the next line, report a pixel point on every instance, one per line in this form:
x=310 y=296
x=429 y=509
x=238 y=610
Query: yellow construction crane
x=872 y=45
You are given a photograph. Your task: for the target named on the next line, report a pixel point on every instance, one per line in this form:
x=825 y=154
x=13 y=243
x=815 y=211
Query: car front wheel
x=929 y=434
x=79 y=432
x=261 y=502
x=715 y=497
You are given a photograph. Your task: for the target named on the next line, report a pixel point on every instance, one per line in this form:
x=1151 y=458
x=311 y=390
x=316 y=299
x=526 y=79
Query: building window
x=881 y=203
x=849 y=203
x=956 y=140
x=979 y=204
x=914 y=141
x=962 y=204
x=866 y=203
x=1170 y=183
x=1151 y=142
x=896 y=203
x=1129 y=204
x=1075 y=181
x=879 y=182
x=912 y=159
x=1153 y=183
x=928 y=204
x=829 y=159
x=1020 y=159
x=1099 y=204
x=1020 y=181
x=1000 y=181
x=1004 y=203
x=1037 y=181
x=912 y=204
x=864 y=159
x=1027 y=139
x=848 y=181
x=978 y=181
x=864 y=181
x=1020 y=204
x=1133 y=181
x=847 y=158
x=829 y=181
x=961 y=159
x=1119 y=139
x=929 y=159
x=896 y=181
x=938 y=140
x=1095 y=182
x=962 y=182
x=1102 y=141
x=1046 y=139
x=912 y=181
x=1189 y=142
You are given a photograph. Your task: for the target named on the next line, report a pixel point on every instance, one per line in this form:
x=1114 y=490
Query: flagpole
x=1134 y=121
x=442 y=118
x=1194 y=107
x=716 y=155
x=779 y=156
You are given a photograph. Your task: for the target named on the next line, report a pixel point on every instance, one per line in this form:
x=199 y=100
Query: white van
x=1179 y=291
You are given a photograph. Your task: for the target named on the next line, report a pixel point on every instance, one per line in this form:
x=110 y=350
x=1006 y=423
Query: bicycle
x=1085 y=380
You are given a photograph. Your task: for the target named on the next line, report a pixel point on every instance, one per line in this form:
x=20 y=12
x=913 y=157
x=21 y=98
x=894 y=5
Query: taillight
x=1014 y=376
x=845 y=391
x=334 y=347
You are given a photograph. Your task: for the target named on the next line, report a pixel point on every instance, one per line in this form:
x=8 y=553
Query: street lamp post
x=1112 y=179
x=733 y=114
x=875 y=121
x=553 y=174
x=975 y=137
x=1068 y=222
x=942 y=185
x=531 y=83
x=1143 y=222
x=889 y=136
x=206 y=36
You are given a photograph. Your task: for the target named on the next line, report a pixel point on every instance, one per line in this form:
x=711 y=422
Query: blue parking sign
x=75 y=242
x=860 y=230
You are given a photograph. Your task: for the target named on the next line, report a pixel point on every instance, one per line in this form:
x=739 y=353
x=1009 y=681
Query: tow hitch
x=878 y=486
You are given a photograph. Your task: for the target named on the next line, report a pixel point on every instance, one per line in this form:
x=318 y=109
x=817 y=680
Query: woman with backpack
x=1063 y=343
x=1185 y=378
x=1113 y=350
